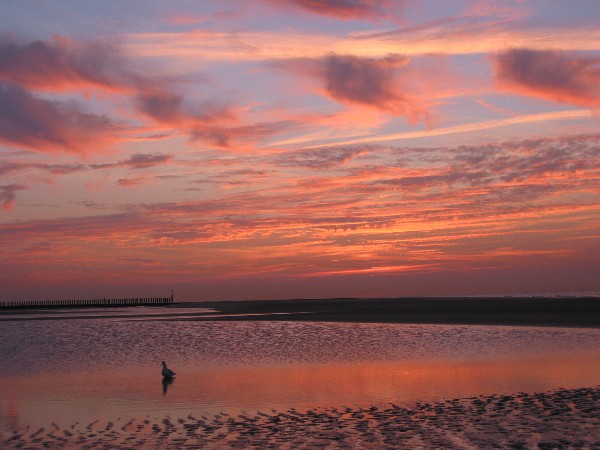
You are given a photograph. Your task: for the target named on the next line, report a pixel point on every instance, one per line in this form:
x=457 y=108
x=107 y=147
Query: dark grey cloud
x=556 y=75
x=161 y=106
x=144 y=160
x=204 y=120
x=366 y=80
x=62 y=169
x=55 y=169
x=373 y=82
x=30 y=121
x=137 y=161
x=60 y=64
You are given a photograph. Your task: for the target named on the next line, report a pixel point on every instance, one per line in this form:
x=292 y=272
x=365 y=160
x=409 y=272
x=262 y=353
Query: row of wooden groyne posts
x=98 y=302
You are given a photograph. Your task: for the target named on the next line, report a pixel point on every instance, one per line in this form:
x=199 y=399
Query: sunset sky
x=298 y=148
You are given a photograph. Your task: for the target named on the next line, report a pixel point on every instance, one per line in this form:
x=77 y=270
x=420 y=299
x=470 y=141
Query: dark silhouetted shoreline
x=516 y=311
x=525 y=311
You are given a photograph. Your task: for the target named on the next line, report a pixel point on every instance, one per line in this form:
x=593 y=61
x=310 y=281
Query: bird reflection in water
x=168 y=375
x=165 y=384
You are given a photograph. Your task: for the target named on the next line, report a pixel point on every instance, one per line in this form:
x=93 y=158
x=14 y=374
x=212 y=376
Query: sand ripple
x=557 y=419
x=100 y=344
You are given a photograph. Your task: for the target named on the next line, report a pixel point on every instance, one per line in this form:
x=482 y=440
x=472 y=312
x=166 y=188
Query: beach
x=515 y=311
x=557 y=419
x=561 y=417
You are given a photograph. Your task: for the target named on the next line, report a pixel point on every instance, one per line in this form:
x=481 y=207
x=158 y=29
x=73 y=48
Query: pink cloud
x=130 y=182
x=8 y=195
x=554 y=75
x=29 y=69
x=201 y=121
x=224 y=136
x=216 y=124
x=457 y=208
x=343 y=9
x=61 y=64
x=186 y=19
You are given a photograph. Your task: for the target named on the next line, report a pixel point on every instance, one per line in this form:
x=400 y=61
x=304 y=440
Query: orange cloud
x=553 y=75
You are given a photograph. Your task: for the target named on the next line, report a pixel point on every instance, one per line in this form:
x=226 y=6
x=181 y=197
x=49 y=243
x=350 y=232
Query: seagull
x=166 y=372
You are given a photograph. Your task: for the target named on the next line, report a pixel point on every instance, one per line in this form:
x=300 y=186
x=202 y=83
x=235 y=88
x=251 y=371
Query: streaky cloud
x=465 y=128
x=342 y=9
x=137 y=161
x=319 y=158
x=130 y=182
x=61 y=63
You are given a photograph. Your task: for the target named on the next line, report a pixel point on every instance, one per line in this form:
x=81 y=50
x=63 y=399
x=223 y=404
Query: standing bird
x=166 y=372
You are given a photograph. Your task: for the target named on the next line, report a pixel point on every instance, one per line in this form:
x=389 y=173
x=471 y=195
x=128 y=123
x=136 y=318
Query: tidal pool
x=92 y=367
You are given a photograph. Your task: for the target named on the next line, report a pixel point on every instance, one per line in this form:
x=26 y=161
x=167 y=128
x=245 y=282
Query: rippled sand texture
x=49 y=346
x=557 y=419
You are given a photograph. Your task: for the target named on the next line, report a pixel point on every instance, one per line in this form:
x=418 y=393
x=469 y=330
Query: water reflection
x=98 y=344
x=165 y=384
x=63 y=372
x=210 y=389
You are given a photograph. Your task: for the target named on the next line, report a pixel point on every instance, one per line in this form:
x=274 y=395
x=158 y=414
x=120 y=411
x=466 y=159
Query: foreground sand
x=557 y=419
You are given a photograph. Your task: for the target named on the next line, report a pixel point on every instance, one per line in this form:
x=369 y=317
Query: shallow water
x=85 y=369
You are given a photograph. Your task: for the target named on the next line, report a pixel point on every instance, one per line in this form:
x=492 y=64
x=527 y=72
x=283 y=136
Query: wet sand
x=557 y=419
